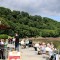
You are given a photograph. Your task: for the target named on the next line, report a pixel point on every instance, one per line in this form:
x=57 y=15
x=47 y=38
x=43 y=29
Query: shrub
x=3 y=36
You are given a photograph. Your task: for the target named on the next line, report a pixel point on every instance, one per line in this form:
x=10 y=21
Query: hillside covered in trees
x=28 y=25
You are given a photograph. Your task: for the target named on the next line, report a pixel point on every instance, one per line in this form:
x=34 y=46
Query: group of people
x=41 y=48
x=3 y=42
x=23 y=43
x=45 y=48
x=26 y=43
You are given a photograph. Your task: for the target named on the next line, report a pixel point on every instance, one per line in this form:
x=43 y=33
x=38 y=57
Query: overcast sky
x=47 y=8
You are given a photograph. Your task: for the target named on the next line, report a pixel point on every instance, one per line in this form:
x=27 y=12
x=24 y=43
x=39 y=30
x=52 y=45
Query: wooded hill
x=28 y=25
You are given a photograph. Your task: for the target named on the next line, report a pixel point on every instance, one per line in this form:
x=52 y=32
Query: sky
x=44 y=8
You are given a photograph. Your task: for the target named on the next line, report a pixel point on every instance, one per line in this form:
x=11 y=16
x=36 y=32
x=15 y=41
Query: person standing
x=17 y=42
x=13 y=41
x=27 y=41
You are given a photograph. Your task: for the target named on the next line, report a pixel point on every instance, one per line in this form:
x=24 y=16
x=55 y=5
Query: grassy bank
x=56 y=41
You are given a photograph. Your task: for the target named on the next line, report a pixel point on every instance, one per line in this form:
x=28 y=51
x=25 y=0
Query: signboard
x=14 y=55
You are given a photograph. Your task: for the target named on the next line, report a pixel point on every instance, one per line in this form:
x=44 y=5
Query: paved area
x=29 y=54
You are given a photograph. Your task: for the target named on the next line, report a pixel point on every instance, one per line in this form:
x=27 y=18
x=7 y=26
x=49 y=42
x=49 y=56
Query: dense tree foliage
x=28 y=25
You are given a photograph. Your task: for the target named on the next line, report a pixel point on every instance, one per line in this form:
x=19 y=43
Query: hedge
x=3 y=36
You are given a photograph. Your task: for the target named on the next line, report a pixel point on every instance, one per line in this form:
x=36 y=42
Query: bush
x=58 y=47
x=3 y=36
